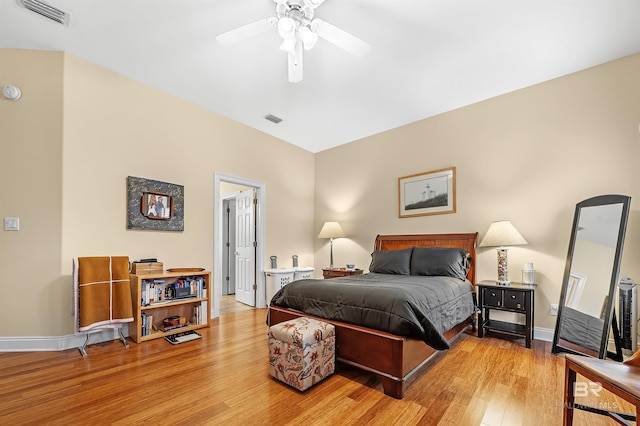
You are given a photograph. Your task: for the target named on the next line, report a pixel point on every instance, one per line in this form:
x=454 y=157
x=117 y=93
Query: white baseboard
x=62 y=343
x=544 y=334
x=56 y=343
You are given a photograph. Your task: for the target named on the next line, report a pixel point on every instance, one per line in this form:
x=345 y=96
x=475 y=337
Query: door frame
x=261 y=192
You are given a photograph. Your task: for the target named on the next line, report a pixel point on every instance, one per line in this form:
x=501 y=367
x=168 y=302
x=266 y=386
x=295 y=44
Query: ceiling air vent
x=46 y=10
x=273 y=118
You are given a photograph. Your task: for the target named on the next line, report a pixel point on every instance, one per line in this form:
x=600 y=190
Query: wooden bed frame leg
x=392 y=387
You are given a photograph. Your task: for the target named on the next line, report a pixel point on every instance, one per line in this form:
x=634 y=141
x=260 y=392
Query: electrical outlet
x=553 y=309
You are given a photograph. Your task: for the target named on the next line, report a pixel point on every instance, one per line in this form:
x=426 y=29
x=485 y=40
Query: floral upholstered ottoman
x=302 y=351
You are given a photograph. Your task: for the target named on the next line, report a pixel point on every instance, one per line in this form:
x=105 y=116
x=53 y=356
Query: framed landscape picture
x=427 y=193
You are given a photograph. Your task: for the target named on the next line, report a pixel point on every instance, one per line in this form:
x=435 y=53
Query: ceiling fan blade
x=295 y=64
x=340 y=38
x=247 y=31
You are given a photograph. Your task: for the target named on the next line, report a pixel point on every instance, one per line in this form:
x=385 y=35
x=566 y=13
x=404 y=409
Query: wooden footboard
x=396 y=360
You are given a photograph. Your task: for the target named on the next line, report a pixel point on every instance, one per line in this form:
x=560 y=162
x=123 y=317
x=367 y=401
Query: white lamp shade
x=331 y=230
x=500 y=234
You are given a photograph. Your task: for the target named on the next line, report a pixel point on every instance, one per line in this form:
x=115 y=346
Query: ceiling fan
x=299 y=30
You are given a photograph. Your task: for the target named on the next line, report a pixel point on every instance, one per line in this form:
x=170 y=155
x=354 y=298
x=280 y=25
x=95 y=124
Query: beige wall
x=528 y=157
x=80 y=130
x=76 y=167
x=31 y=137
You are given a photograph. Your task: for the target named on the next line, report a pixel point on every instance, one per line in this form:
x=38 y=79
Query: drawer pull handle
x=513 y=296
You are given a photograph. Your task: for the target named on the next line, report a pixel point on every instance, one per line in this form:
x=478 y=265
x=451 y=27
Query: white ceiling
x=427 y=56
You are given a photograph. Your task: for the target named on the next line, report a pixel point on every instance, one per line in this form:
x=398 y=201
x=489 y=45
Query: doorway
x=228 y=244
x=219 y=271
x=238 y=244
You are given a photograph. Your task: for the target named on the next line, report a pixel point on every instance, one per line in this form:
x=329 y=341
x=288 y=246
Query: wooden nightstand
x=515 y=297
x=340 y=272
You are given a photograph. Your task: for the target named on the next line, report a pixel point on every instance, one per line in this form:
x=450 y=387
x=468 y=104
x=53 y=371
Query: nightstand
x=514 y=297
x=340 y=272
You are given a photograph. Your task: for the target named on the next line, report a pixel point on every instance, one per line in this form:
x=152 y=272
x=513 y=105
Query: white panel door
x=245 y=248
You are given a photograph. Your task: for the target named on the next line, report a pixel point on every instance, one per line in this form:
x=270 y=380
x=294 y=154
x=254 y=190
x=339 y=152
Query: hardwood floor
x=223 y=379
x=228 y=304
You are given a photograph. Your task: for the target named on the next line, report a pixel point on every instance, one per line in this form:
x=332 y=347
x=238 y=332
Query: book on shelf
x=154 y=291
x=190 y=287
x=201 y=312
x=146 y=324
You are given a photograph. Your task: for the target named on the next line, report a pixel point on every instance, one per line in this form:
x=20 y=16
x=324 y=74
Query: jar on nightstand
x=528 y=274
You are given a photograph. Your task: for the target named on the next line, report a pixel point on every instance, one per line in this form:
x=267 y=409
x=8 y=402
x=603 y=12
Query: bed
x=396 y=358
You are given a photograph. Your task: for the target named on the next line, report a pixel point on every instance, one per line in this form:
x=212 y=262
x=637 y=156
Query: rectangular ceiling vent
x=273 y=118
x=46 y=10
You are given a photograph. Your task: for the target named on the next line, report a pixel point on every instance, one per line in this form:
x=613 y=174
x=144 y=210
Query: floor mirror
x=586 y=307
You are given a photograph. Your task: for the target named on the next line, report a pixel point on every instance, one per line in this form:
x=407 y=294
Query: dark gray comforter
x=419 y=306
x=581 y=329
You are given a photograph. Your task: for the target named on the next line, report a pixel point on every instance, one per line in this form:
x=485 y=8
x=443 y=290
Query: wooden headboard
x=466 y=242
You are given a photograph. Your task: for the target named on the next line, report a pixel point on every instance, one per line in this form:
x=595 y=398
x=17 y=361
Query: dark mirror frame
x=608 y=312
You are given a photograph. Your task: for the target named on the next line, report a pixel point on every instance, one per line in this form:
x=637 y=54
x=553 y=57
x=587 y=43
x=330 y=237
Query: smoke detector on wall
x=12 y=93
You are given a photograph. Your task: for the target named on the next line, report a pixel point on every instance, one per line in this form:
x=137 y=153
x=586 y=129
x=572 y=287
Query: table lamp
x=501 y=234
x=331 y=230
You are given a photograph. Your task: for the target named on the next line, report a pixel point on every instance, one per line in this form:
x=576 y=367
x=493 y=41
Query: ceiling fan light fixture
x=289 y=45
x=308 y=37
x=281 y=10
x=313 y=3
x=300 y=30
x=286 y=28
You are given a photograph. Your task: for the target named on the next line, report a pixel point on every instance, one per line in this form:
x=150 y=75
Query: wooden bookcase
x=188 y=307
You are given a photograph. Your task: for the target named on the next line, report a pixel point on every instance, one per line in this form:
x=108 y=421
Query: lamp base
x=503 y=273
x=331 y=262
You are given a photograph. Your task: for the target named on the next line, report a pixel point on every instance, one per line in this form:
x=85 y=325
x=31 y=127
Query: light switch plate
x=11 y=223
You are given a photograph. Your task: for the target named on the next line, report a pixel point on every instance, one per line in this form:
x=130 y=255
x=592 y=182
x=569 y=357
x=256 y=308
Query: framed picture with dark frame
x=427 y=193
x=156 y=205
